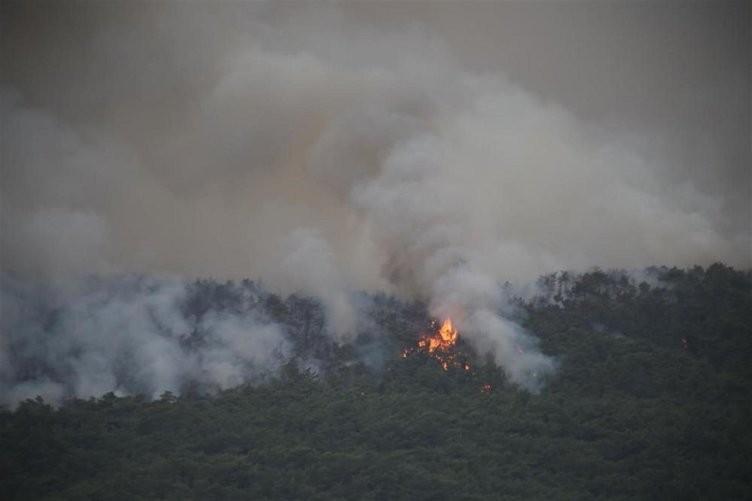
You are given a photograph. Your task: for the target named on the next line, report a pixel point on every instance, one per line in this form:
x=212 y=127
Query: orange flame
x=447 y=337
x=439 y=345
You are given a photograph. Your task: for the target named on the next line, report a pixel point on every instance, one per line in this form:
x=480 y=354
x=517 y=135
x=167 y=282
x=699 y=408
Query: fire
x=446 y=337
x=439 y=345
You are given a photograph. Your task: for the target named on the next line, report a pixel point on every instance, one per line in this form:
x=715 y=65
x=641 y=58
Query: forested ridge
x=652 y=399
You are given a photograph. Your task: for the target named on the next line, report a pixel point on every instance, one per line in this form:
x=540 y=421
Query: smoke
x=310 y=268
x=128 y=335
x=329 y=148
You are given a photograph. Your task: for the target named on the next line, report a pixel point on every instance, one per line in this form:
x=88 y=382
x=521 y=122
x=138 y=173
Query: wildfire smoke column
x=417 y=206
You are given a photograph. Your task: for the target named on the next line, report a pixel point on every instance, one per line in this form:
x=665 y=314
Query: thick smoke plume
x=330 y=148
x=129 y=335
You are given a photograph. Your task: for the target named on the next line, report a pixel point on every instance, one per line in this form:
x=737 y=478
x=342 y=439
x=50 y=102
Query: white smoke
x=310 y=267
x=178 y=138
x=418 y=212
x=126 y=336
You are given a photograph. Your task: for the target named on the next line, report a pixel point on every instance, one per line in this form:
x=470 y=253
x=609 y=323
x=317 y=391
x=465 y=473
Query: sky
x=204 y=139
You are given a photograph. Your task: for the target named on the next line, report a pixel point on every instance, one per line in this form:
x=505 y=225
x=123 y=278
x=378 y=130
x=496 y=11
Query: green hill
x=652 y=399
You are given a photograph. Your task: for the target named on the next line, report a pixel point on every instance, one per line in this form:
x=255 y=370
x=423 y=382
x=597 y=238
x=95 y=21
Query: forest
x=651 y=399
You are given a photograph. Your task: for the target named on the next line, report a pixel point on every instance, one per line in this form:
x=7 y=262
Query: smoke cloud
x=329 y=148
x=311 y=268
x=128 y=335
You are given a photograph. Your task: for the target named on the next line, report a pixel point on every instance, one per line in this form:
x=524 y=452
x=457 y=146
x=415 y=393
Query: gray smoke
x=310 y=267
x=127 y=335
x=419 y=149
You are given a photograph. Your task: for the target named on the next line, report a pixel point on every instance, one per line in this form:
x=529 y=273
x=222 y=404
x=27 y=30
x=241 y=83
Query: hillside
x=652 y=398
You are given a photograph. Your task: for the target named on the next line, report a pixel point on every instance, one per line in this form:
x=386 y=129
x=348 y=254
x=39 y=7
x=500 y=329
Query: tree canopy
x=652 y=399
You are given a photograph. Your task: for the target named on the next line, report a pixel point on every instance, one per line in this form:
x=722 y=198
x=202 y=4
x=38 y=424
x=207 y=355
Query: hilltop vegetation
x=651 y=399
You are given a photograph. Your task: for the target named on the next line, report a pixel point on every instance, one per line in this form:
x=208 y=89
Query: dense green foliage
x=652 y=399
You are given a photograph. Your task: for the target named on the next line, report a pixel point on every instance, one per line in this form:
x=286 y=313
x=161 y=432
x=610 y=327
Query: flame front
x=448 y=333
x=439 y=345
x=445 y=338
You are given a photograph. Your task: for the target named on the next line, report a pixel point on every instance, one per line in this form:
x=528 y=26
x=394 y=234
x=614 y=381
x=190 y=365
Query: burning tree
x=440 y=343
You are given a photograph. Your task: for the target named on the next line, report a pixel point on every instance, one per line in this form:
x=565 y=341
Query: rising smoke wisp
x=323 y=148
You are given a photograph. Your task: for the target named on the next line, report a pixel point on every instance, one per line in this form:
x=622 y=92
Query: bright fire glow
x=445 y=338
x=439 y=345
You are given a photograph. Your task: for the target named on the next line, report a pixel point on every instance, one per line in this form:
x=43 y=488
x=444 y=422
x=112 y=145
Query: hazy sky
x=203 y=138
